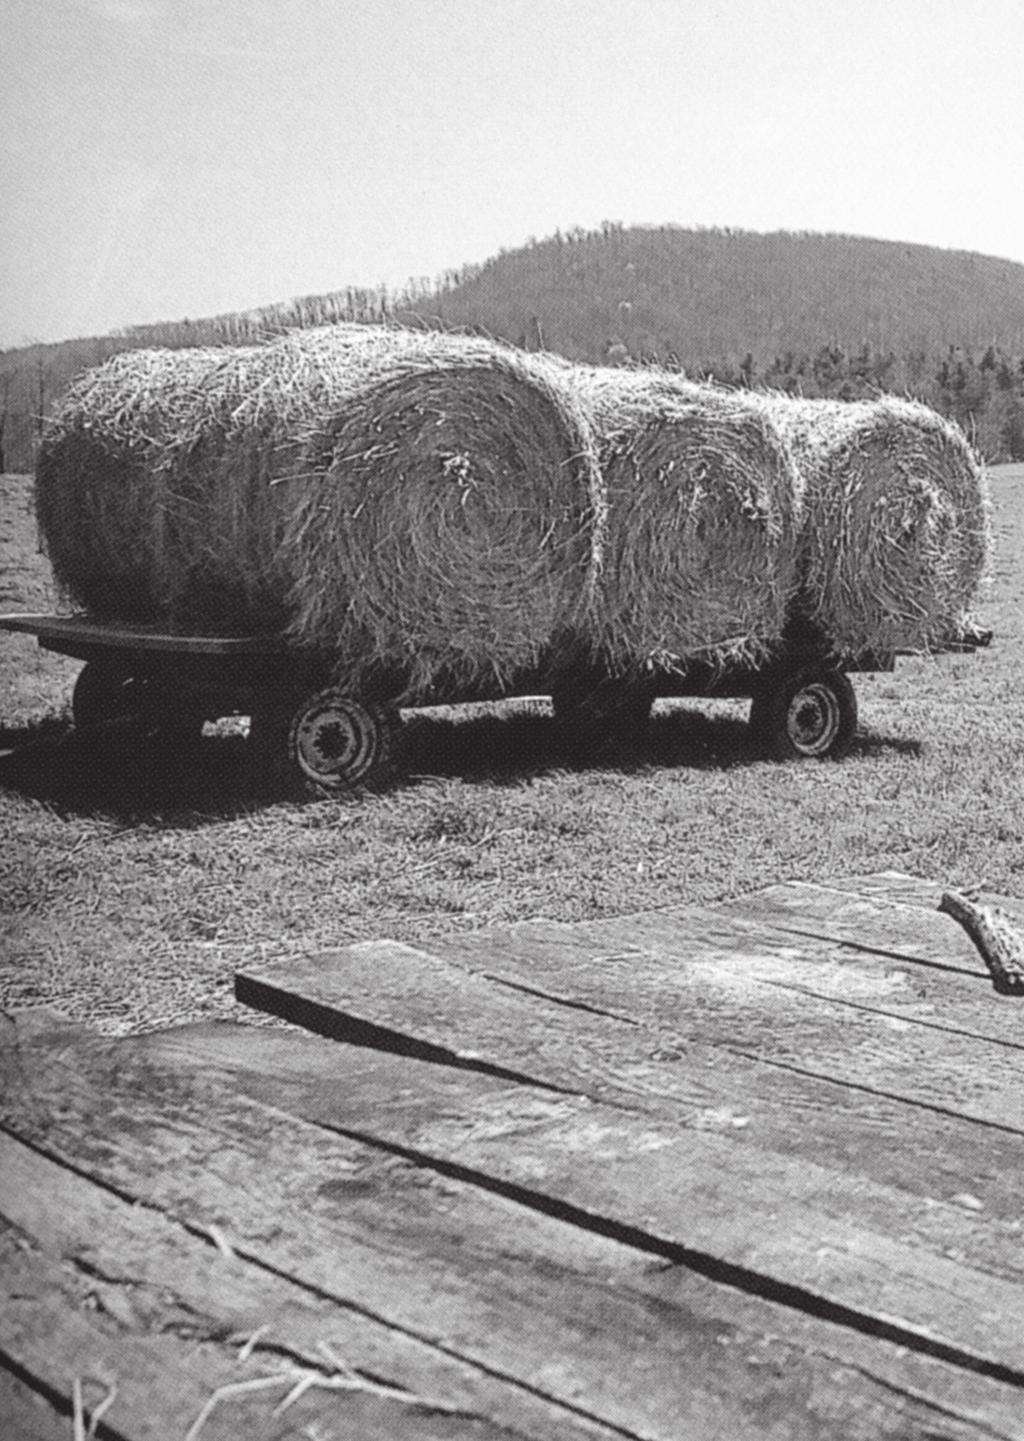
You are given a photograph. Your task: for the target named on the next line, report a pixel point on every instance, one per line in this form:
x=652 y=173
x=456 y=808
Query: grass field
x=132 y=886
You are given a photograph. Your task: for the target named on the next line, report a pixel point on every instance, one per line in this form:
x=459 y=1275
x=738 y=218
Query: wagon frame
x=307 y=729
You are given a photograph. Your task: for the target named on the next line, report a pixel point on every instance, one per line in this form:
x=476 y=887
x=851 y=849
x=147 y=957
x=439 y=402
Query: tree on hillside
x=1000 y=427
x=42 y=376
x=7 y=378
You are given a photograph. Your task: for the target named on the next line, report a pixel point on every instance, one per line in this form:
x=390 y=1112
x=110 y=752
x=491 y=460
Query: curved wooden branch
x=997 y=938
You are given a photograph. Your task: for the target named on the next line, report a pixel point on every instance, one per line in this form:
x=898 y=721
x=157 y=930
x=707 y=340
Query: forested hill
x=704 y=295
x=814 y=314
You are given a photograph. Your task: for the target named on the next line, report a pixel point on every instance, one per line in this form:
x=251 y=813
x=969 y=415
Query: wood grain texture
x=692 y=1185
x=893 y=917
x=807 y=1004
x=917 y=890
x=726 y=1039
x=601 y=1337
x=28 y=1416
x=698 y=1044
x=133 y=1275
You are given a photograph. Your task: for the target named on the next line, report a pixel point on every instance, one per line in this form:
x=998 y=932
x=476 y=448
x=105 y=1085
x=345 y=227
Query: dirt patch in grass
x=133 y=883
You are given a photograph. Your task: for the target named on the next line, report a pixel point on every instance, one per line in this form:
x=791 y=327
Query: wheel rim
x=813 y=719
x=336 y=742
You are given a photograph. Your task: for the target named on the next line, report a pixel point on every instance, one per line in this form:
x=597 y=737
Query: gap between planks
x=268 y=1172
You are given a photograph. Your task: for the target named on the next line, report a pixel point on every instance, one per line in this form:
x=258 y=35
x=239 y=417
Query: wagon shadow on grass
x=138 y=781
x=186 y=784
x=507 y=742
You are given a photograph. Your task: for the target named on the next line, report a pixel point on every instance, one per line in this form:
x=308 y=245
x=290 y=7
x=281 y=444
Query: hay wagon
x=308 y=730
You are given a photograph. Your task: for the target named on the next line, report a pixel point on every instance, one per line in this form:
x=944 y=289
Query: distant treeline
x=984 y=394
x=816 y=315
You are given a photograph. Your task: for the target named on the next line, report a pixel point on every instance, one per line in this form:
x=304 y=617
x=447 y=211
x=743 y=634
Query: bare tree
x=42 y=376
x=6 y=385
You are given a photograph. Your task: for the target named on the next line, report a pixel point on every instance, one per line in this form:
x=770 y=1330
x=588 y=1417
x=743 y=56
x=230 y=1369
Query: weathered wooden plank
x=888 y=886
x=642 y=967
x=135 y=1276
x=652 y=1349
x=50 y=1331
x=726 y=987
x=786 y=1000
x=421 y=996
x=896 y=917
x=933 y=967
x=366 y=1090
x=192 y=1154
x=170 y=1386
x=885 y=929
x=28 y=1416
x=671 y=1042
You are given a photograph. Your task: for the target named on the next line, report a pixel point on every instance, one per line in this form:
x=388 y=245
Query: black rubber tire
x=104 y=696
x=269 y=765
x=107 y=701
x=324 y=744
x=595 y=713
x=809 y=713
x=337 y=742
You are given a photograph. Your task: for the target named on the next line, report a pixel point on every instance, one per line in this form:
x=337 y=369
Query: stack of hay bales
x=430 y=503
x=453 y=513
x=703 y=520
x=896 y=533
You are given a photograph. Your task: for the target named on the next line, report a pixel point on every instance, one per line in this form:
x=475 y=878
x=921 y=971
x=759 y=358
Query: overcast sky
x=171 y=158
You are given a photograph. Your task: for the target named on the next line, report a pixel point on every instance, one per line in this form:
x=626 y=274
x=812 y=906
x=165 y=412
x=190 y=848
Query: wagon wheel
x=337 y=742
x=107 y=700
x=270 y=725
x=808 y=712
x=329 y=742
x=594 y=713
x=104 y=696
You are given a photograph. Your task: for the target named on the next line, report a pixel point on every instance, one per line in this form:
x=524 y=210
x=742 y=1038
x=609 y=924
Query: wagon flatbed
x=311 y=727
x=740 y=1172
x=71 y=634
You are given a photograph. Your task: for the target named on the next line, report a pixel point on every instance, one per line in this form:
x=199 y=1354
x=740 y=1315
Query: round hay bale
x=238 y=439
x=448 y=524
x=155 y=482
x=897 y=530
x=99 y=505
x=703 y=506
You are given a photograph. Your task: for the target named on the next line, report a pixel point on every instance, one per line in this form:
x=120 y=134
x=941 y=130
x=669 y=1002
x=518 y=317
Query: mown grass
x=132 y=884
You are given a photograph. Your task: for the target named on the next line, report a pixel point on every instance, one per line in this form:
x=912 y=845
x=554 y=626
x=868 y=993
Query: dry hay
x=897 y=531
x=155 y=481
x=100 y=511
x=152 y=491
x=703 y=509
x=421 y=502
x=449 y=522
